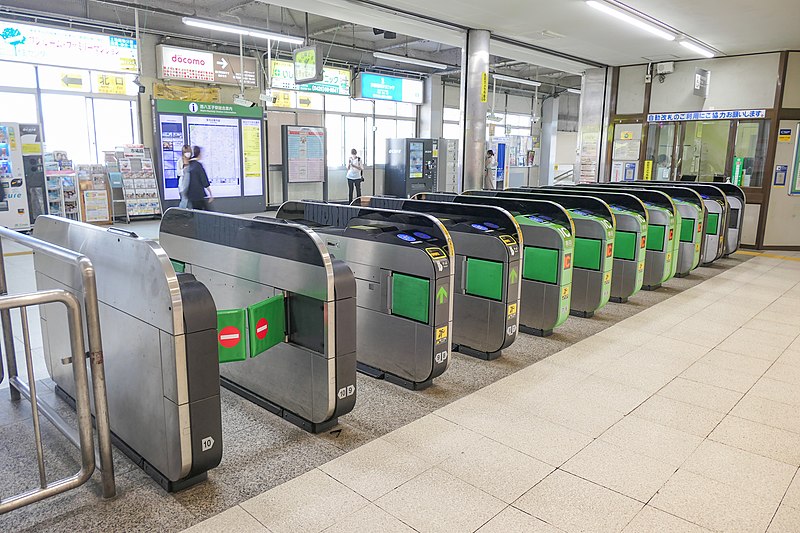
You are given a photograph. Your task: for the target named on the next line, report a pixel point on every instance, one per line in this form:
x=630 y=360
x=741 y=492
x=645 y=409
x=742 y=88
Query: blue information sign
x=378 y=87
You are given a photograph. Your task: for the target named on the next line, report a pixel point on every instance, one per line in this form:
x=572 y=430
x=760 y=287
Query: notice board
x=304 y=154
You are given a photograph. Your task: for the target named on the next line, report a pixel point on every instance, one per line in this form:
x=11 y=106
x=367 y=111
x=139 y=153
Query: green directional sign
x=512 y=277
x=441 y=295
x=267 y=324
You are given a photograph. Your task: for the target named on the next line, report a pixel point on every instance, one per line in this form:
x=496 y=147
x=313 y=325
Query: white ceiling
x=732 y=26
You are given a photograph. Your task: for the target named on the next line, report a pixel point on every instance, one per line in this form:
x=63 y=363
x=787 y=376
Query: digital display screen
x=423 y=236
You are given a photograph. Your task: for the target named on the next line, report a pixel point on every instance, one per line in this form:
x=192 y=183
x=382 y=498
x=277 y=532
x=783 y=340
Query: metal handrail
x=92 y=322
x=86 y=443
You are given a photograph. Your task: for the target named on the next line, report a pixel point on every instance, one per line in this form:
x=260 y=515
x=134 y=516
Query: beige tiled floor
x=683 y=418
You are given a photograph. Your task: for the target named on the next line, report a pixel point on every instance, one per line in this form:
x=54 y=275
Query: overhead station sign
x=334 y=80
x=209 y=67
x=43 y=45
x=380 y=87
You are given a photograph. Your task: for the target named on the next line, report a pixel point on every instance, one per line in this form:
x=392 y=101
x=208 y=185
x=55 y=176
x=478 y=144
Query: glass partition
x=750 y=151
x=705 y=150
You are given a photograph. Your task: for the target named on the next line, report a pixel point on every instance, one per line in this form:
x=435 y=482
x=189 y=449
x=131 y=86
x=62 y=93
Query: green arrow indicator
x=513 y=276
x=442 y=295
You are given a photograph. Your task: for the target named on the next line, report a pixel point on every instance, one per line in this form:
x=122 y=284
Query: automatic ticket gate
x=294 y=357
x=159 y=341
x=548 y=248
x=487 y=266
x=692 y=210
x=595 y=228
x=629 y=244
x=404 y=280
x=716 y=223
x=662 y=231
x=737 y=201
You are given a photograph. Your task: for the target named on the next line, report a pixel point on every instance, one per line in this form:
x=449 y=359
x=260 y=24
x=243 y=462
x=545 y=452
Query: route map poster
x=218 y=138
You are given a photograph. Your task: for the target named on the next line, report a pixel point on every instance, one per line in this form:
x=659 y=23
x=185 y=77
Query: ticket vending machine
x=412 y=166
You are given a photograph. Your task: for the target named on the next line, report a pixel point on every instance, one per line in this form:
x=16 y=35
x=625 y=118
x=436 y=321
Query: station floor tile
x=675 y=412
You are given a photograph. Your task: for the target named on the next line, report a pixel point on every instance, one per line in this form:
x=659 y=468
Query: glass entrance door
x=661 y=150
x=704 y=153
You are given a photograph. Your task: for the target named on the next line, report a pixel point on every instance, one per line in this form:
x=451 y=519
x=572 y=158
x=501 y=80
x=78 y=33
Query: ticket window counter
x=708 y=151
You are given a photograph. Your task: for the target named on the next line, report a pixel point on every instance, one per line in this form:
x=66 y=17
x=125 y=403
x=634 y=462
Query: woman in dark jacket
x=199 y=192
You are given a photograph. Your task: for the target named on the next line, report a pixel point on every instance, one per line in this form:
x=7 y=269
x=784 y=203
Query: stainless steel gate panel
x=243 y=262
x=155 y=412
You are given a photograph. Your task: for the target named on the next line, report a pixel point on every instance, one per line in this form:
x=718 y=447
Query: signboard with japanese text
x=43 y=45
x=707 y=115
x=380 y=87
x=334 y=81
x=209 y=67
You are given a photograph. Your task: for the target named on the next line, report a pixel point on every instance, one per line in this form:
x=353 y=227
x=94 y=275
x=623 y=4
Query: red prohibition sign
x=229 y=336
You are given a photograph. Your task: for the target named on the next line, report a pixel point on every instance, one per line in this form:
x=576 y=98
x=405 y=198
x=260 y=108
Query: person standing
x=198 y=191
x=489 y=170
x=183 y=175
x=355 y=170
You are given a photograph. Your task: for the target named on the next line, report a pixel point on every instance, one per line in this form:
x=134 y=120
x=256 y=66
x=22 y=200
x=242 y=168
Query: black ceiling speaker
x=376 y=31
x=389 y=35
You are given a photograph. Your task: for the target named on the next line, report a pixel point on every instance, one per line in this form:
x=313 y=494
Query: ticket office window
x=751 y=146
x=705 y=150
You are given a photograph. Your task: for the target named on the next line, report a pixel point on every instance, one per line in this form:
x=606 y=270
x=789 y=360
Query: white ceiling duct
x=384 y=18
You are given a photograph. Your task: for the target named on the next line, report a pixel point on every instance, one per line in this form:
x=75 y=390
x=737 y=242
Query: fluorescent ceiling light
x=697 y=49
x=608 y=10
x=574 y=91
x=240 y=30
x=409 y=60
x=521 y=81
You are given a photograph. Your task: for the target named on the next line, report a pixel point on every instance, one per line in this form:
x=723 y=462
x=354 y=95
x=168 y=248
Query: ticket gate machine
x=308 y=379
x=595 y=228
x=404 y=281
x=737 y=201
x=487 y=271
x=548 y=248
x=716 y=223
x=159 y=343
x=662 y=235
x=630 y=242
x=692 y=210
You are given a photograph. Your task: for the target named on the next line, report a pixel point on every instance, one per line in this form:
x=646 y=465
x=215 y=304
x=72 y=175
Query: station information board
x=231 y=139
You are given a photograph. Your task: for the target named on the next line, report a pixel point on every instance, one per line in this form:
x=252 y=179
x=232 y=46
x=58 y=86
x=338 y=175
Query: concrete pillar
x=549 y=124
x=430 y=113
x=474 y=89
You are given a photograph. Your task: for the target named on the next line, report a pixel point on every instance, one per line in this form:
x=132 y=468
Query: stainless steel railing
x=89 y=317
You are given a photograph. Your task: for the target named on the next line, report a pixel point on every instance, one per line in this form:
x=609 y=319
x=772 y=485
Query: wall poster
x=304 y=156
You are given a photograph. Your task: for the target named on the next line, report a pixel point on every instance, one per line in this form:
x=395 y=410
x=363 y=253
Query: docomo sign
x=184 y=63
x=209 y=67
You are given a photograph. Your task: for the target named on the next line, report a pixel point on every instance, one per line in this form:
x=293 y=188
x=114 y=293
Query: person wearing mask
x=198 y=191
x=489 y=170
x=354 y=174
x=183 y=175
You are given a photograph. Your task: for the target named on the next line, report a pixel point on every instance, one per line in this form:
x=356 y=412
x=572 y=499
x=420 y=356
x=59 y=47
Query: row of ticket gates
x=268 y=307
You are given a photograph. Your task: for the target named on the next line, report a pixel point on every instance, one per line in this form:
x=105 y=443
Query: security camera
x=239 y=99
